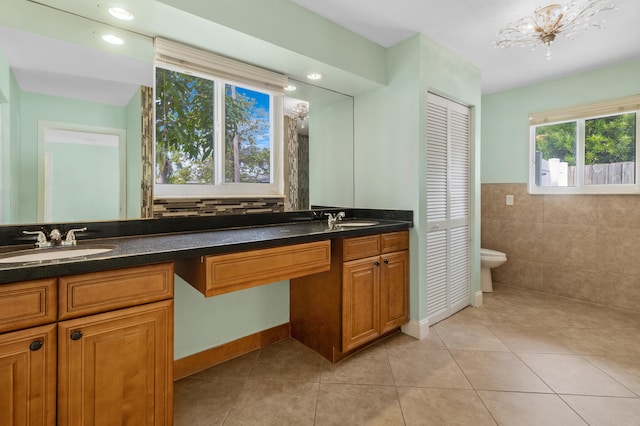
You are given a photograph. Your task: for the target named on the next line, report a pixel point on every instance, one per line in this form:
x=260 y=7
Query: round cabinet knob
x=386 y=261
x=76 y=335
x=34 y=346
x=377 y=263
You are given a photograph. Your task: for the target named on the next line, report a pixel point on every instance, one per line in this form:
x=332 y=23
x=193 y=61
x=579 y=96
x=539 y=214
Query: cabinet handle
x=386 y=261
x=377 y=263
x=76 y=335
x=34 y=346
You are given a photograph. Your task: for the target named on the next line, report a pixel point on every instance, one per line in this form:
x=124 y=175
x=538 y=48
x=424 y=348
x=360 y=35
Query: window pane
x=247 y=135
x=184 y=128
x=556 y=154
x=610 y=150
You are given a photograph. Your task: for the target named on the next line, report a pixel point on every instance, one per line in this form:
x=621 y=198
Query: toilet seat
x=492 y=254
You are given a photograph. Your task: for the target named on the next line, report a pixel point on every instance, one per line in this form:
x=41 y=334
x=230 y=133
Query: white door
x=448 y=194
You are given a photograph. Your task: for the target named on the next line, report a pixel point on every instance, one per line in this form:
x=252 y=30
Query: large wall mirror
x=71 y=132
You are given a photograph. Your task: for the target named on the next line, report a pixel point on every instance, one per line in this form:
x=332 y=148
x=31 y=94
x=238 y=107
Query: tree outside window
x=607 y=148
x=187 y=143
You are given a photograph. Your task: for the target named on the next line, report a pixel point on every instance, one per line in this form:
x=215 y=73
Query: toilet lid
x=488 y=252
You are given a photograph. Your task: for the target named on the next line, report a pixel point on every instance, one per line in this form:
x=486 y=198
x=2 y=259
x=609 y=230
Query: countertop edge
x=144 y=250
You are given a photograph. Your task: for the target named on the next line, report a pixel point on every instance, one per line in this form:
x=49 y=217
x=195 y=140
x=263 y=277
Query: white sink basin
x=56 y=253
x=357 y=223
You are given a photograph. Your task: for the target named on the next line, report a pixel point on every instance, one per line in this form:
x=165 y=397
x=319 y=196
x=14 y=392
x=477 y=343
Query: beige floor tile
x=287 y=360
x=590 y=341
x=370 y=366
x=498 y=371
x=531 y=409
x=469 y=337
x=572 y=374
x=534 y=339
x=626 y=370
x=436 y=407
x=341 y=404
x=274 y=403
x=204 y=402
x=426 y=368
x=514 y=349
x=605 y=411
x=431 y=341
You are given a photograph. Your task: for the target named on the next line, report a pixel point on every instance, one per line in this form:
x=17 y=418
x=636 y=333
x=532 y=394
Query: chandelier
x=300 y=112
x=549 y=21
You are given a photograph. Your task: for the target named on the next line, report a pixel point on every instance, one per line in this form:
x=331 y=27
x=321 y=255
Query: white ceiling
x=468 y=28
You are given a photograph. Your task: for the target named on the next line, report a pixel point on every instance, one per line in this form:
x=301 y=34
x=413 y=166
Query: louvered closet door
x=448 y=257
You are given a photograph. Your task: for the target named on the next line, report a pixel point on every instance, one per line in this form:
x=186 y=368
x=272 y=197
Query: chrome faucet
x=41 y=238
x=332 y=219
x=55 y=237
x=70 y=238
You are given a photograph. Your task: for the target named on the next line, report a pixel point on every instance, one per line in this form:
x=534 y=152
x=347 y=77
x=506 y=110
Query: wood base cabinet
x=363 y=297
x=114 y=368
x=28 y=377
x=88 y=349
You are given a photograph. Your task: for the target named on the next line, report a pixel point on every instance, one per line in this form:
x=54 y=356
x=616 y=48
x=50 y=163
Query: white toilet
x=489 y=259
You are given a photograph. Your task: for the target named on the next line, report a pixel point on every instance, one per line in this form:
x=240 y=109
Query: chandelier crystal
x=547 y=22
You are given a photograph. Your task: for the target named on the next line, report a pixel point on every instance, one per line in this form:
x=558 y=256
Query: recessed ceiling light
x=290 y=88
x=314 y=76
x=121 y=13
x=110 y=38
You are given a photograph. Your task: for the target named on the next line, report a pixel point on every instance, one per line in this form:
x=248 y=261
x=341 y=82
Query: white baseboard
x=416 y=329
x=478 y=298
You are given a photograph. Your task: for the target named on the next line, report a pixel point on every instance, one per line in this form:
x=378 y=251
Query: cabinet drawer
x=359 y=247
x=95 y=292
x=213 y=275
x=395 y=241
x=27 y=304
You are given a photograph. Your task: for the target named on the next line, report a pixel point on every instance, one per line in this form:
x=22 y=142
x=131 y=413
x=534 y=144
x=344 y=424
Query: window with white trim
x=218 y=126
x=591 y=149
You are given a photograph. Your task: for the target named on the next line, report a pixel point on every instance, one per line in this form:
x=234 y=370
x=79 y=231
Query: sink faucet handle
x=55 y=235
x=70 y=238
x=41 y=238
x=340 y=215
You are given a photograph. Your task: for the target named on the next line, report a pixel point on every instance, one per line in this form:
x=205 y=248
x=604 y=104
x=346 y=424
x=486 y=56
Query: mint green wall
x=11 y=95
x=5 y=137
x=331 y=154
x=505 y=124
x=202 y=323
x=37 y=107
x=390 y=148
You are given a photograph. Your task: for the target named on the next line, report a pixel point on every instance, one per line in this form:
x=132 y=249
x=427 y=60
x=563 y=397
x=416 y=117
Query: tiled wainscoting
x=585 y=247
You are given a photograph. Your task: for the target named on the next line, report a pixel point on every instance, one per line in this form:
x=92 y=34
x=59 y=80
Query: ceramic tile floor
x=522 y=358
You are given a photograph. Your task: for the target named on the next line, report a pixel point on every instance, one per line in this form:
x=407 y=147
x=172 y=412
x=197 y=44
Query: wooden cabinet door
x=394 y=295
x=115 y=368
x=360 y=302
x=28 y=377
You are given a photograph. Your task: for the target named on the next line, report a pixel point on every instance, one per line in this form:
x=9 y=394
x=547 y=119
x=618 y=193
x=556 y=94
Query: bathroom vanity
x=93 y=336
x=94 y=343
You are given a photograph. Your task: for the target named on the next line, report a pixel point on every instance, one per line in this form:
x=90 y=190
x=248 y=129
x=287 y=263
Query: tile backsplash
x=585 y=247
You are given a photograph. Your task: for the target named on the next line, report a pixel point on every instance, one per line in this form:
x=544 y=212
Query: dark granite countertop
x=135 y=250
